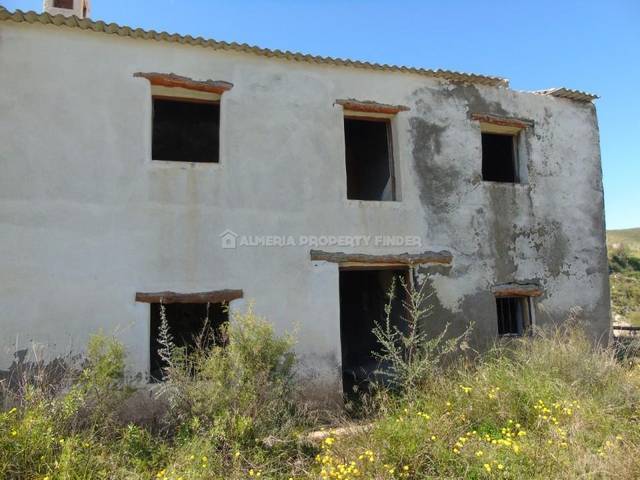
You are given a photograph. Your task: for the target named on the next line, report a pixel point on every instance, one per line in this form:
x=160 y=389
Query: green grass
x=553 y=406
x=634 y=318
x=629 y=237
x=624 y=263
x=625 y=294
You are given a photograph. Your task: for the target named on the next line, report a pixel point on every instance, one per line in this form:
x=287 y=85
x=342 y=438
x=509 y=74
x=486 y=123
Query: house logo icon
x=228 y=239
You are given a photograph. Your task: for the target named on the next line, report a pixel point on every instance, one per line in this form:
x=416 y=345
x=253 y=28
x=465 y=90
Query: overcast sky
x=592 y=46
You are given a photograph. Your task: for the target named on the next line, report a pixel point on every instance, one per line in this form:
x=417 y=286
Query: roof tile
x=125 y=31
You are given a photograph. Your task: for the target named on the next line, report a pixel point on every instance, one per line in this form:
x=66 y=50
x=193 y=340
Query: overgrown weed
x=550 y=405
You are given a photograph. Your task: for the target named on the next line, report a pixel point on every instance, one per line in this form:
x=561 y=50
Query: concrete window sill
x=177 y=165
x=374 y=203
x=492 y=184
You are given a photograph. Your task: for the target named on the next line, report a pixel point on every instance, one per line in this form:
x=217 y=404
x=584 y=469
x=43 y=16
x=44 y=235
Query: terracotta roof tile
x=124 y=31
x=569 y=94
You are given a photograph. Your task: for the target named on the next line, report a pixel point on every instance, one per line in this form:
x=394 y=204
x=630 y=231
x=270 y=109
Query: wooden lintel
x=215 y=296
x=368 y=106
x=173 y=80
x=360 y=259
x=519 y=123
x=517 y=290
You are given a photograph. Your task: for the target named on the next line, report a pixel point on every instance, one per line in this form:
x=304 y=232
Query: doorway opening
x=363 y=296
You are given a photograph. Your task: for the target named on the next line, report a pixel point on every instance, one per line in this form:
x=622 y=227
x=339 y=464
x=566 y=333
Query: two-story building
x=141 y=167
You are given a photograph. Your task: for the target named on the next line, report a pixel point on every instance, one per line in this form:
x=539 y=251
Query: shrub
x=46 y=426
x=237 y=392
x=622 y=259
x=551 y=406
x=409 y=357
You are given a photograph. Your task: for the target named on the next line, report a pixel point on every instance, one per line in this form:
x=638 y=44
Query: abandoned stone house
x=141 y=167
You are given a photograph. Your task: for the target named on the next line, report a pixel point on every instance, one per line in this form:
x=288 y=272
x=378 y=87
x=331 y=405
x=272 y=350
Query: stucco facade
x=87 y=218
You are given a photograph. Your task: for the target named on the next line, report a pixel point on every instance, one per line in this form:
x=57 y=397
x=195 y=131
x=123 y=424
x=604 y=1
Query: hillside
x=629 y=237
x=624 y=265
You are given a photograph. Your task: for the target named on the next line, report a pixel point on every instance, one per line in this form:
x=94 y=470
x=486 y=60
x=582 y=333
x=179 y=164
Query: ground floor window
x=363 y=296
x=514 y=315
x=189 y=323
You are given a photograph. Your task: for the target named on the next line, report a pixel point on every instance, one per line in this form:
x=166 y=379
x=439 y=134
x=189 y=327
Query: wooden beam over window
x=367 y=106
x=517 y=290
x=173 y=80
x=167 y=297
x=403 y=259
x=490 y=123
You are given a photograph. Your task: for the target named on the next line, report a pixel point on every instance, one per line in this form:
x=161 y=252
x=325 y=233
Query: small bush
x=553 y=406
x=550 y=406
x=622 y=259
x=408 y=356
x=236 y=392
x=49 y=422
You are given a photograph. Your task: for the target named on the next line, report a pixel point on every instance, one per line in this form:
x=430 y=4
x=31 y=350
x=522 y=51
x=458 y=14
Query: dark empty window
x=68 y=4
x=368 y=157
x=189 y=323
x=499 y=163
x=185 y=131
x=514 y=315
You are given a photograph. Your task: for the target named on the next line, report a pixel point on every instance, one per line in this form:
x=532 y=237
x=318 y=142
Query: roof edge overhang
x=138 y=33
x=569 y=94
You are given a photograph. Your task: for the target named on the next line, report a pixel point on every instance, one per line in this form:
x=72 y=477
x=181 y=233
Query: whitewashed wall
x=87 y=219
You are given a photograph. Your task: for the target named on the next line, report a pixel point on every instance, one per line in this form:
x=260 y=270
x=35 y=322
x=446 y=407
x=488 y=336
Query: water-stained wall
x=547 y=230
x=87 y=218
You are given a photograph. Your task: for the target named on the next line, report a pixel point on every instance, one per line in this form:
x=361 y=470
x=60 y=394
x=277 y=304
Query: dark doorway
x=363 y=296
x=187 y=322
x=368 y=159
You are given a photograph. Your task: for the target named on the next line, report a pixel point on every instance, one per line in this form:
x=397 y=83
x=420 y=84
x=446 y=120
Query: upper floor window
x=185 y=130
x=68 y=4
x=369 y=158
x=369 y=161
x=186 y=118
x=499 y=157
x=502 y=149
